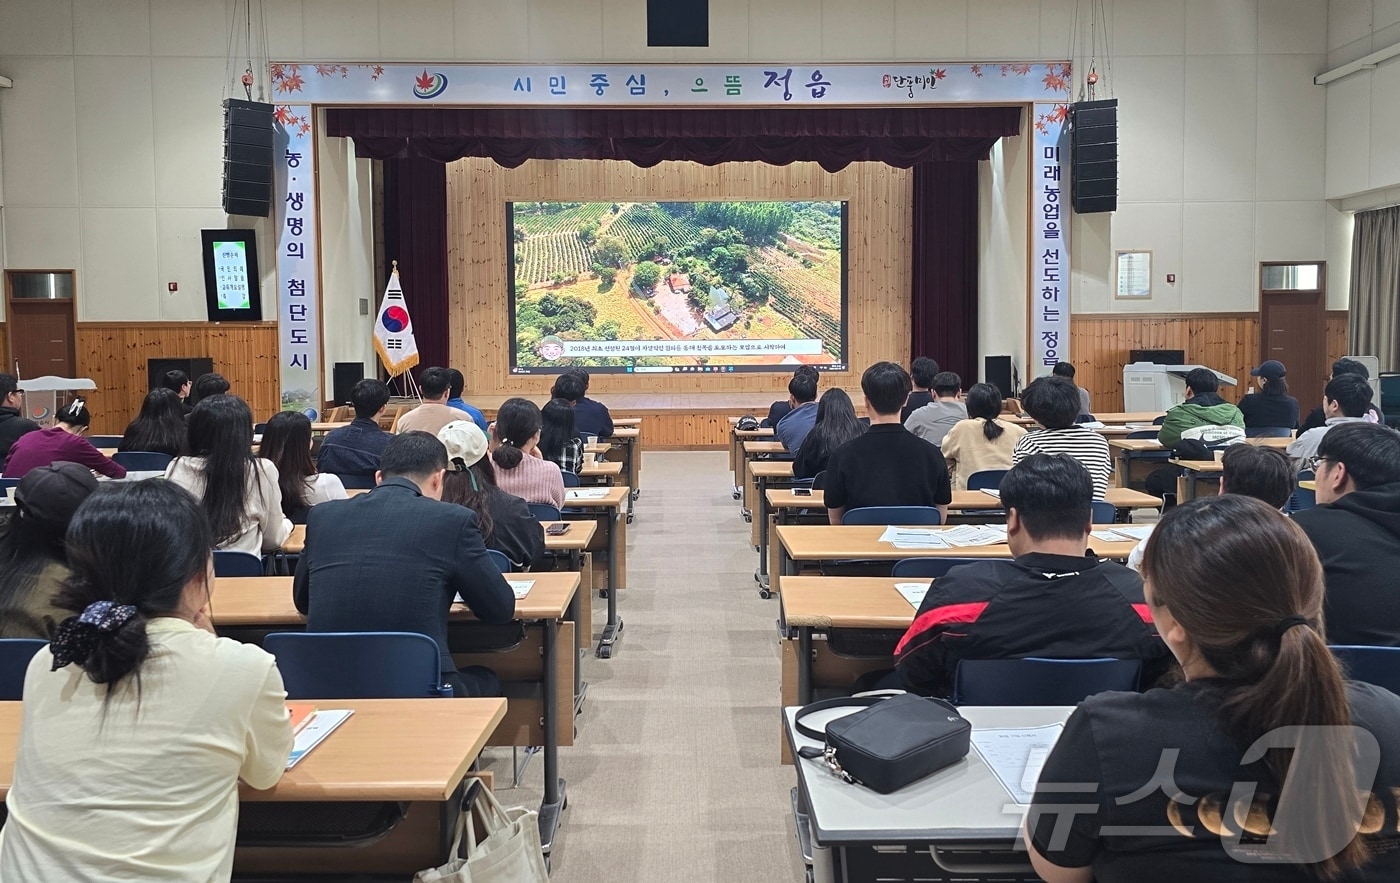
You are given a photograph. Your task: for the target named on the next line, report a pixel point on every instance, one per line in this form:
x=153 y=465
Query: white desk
x=961 y=813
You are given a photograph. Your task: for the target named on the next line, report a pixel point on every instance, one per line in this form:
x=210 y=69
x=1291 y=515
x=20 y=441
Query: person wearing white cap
x=505 y=520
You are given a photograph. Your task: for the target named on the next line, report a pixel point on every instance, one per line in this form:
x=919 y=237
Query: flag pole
x=408 y=387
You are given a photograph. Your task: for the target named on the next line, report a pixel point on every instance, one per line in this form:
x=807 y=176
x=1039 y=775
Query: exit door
x=1292 y=326
x=40 y=320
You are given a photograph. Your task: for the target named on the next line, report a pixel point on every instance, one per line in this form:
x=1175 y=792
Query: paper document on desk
x=1106 y=536
x=1139 y=533
x=322 y=723
x=1017 y=755
x=593 y=493
x=913 y=592
x=521 y=587
x=992 y=492
x=912 y=538
x=975 y=535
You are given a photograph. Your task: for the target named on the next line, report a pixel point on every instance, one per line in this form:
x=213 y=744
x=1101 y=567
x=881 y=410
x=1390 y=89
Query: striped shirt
x=1084 y=445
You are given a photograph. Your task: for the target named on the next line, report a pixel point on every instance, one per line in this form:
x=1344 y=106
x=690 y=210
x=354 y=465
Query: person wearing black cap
x=33 y=563
x=1271 y=407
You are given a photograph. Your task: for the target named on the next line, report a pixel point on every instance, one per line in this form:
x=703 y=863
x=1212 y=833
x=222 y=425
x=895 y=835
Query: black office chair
x=1267 y=432
x=927 y=568
x=357 y=482
x=1034 y=681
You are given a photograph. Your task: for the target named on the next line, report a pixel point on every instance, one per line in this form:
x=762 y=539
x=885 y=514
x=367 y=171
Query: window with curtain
x=1374 y=323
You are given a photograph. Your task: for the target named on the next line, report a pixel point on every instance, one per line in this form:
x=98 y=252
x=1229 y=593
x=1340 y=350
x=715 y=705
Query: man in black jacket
x=1356 y=530
x=393 y=560
x=12 y=425
x=1051 y=600
x=1317 y=417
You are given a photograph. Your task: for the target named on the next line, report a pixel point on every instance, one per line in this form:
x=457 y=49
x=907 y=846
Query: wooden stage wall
x=1228 y=342
x=478 y=190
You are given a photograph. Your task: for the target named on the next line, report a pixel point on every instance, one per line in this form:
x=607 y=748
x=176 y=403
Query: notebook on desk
x=585 y=493
x=314 y=731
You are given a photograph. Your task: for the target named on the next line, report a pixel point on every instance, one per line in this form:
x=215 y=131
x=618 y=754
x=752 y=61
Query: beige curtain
x=1374 y=325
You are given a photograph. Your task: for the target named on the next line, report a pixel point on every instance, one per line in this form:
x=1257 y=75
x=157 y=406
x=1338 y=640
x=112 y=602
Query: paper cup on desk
x=1219 y=455
x=10 y=495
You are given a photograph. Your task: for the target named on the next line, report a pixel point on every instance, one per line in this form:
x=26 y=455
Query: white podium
x=41 y=395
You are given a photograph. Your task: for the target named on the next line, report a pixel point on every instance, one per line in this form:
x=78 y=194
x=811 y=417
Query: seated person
x=1271 y=406
x=932 y=422
x=64 y=441
x=211 y=384
x=286 y=444
x=559 y=441
x=239 y=493
x=1066 y=370
x=393 y=560
x=1203 y=407
x=178 y=382
x=982 y=442
x=33 y=559
x=160 y=427
x=1317 y=417
x=921 y=373
x=1135 y=786
x=355 y=449
x=779 y=409
x=796 y=423
x=590 y=417
x=505 y=521
x=433 y=414
x=1256 y=471
x=1051 y=600
x=887 y=465
x=1053 y=402
x=836 y=424
x=1355 y=528
x=1345 y=400
x=139 y=722
x=521 y=469
x=12 y=424
x=454 y=399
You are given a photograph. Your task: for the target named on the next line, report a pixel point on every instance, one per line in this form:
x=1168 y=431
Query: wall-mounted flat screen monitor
x=677 y=287
x=231 y=276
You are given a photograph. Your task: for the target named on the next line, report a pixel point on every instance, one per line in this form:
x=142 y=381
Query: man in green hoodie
x=1203 y=407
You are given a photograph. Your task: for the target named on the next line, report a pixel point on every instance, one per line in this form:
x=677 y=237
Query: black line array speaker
x=344 y=376
x=193 y=368
x=678 y=22
x=247 y=158
x=1093 y=152
x=997 y=370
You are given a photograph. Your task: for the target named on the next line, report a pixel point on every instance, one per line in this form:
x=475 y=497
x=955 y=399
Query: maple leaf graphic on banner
x=283 y=115
x=291 y=83
x=425 y=81
x=326 y=70
x=938 y=74
x=1055 y=83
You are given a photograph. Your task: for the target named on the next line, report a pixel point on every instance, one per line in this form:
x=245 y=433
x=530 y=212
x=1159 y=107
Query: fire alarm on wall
x=1171 y=278
x=172 y=286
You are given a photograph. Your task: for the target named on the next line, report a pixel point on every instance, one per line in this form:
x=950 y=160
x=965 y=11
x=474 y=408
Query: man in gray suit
x=393 y=559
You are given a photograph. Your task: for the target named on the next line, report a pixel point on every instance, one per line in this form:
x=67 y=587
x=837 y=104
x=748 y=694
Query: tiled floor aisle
x=675 y=776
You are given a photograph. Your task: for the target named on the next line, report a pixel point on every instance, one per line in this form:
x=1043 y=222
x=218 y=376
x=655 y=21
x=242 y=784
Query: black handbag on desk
x=893 y=742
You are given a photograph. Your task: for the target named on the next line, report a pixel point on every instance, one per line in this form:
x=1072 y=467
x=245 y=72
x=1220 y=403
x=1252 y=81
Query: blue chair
x=8 y=483
x=142 y=461
x=1104 y=512
x=1142 y=433
x=1302 y=498
x=927 y=568
x=893 y=515
x=500 y=560
x=570 y=478
x=543 y=512
x=357 y=482
x=987 y=479
x=1267 y=432
x=1035 y=681
x=237 y=564
x=15 y=654
x=1379 y=666
x=357 y=665
x=105 y=441
x=819 y=481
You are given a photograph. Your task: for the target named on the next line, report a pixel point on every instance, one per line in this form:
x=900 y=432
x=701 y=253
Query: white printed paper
x=1106 y=536
x=594 y=493
x=521 y=587
x=913 y=592
x=975 y=535
x=1138 y=533
x=992 y=492
x=913 y=538
x=1017 y=755
x=321 y=725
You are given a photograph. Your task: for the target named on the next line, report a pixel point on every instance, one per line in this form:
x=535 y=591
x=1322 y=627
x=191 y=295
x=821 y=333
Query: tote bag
x=509 y=853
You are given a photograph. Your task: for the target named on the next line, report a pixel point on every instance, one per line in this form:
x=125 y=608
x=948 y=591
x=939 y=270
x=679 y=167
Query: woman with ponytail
x=63 y=442
x=982 y=441
x=1263 y=765
x=520 y=468
x=138 y=721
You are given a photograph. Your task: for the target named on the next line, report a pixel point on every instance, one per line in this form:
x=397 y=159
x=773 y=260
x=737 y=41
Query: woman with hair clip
x=982 y=441
x=559 y=442
x=160 y=427
x=520 y=468
x=835 y=425
x=238 y=492
x=286 y=444
x=1263 y=765
x=138 y=721
x=64 y=441
x=505 y=521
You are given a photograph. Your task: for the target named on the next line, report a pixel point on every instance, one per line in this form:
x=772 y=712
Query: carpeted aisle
x=675 y=776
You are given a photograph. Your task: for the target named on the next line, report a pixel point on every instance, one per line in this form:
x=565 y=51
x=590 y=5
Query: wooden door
x=41 y=337
x=1292 y=330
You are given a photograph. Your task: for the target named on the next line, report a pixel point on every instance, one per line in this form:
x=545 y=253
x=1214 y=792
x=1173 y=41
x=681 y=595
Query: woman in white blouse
x=238 y=492
x=138 y=721
x=286 y=444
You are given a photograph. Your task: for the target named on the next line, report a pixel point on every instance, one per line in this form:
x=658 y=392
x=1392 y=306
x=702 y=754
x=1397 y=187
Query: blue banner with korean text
x=1049 y=264
x=298 y=275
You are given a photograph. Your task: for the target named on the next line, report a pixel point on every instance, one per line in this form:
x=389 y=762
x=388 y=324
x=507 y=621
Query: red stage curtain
x=415 y=235
x=944 y=274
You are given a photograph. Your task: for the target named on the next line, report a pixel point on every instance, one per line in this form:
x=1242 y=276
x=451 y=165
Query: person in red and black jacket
x=1053 y=600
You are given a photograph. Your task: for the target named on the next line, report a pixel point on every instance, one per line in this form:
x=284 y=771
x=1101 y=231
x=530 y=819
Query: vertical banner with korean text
x=298 y=301
x=1049 y=264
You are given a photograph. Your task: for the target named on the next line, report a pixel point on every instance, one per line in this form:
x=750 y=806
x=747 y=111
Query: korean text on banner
x=1049 y=319
x=298 y=303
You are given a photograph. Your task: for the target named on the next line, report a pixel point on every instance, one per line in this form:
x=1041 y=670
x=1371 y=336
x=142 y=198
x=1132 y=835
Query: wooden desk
x=1194 y=471
x=737 y=437
x=415 y=751
x=627 y=435
x=627 y=421
x=603 y=473
x=327 y=427
x=818 y=603
x=575 y=541
x=766 y=474
x=608 y=510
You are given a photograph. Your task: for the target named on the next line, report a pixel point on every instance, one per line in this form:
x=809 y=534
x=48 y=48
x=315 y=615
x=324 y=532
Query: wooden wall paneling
x=114 y=355
x=5 y=366
x=1338 y=336
x=878 y=257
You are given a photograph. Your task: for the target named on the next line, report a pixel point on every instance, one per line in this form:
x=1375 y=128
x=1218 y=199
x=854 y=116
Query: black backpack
x=747 y=423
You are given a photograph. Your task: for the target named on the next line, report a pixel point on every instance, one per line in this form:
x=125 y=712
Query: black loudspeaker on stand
x=1093 y=151
x=193 y=368
x=247 y=158
x=344 y=376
